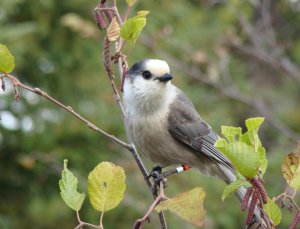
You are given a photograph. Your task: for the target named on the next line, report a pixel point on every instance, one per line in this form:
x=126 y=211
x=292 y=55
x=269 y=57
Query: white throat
x=148 y=102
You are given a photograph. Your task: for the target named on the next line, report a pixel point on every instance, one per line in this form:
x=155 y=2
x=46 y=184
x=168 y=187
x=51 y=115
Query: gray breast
x=150 y=134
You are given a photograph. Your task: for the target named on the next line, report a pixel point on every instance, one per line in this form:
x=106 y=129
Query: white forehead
x=157 y=67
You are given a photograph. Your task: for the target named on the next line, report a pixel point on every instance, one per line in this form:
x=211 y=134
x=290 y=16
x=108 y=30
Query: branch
x=16 y=84
x=283 y=196
x=264 y=46
x=292 y=205
x=81 y=223
x=139 y=223
x=281 y=63
x=120 y=60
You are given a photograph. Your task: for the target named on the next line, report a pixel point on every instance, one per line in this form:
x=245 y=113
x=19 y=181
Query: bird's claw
x=157 y=175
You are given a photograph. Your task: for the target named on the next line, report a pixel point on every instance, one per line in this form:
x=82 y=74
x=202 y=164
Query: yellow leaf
x=291 y=169
x=106 y=186
x=27 y=161
x=113 y=31
x=142 y=13
x=80 y=25
x=130 y=2
x=187 y=205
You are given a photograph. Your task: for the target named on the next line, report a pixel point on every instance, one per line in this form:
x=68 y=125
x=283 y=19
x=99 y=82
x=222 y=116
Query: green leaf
x=106 y=186
x=231 y=133
x=221 y=143
x=263 y=162
x=7 y=60
x=245 y=151
x=187 y=205
x=273 y=211
x=243 y=157
x=68 y=189
x=253 y=138
x=254 y=123
x=232 y=187
x=132 y=28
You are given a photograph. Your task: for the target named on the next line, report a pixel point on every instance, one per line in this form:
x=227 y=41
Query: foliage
x=273 y=211
x=106 y=186
x=247 y=154
x=64 y=61
x=233 y=187
x=133 y=26
x=6 y=60
x=245 y=150
x=68 y=189
x=188 y=205
x=113 y=31
x=291 y=170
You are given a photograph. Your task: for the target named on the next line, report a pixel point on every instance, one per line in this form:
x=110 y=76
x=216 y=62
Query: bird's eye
x=146 y=75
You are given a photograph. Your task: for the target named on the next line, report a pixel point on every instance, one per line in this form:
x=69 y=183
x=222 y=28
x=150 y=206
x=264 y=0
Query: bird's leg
x=158 y=175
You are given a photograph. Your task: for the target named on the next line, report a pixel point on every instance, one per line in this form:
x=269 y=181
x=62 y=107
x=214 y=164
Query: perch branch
x=120 y=60
x=139 y=223
x=16 y=84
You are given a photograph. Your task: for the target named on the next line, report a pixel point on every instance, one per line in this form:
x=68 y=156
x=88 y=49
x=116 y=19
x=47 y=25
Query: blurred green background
x=234 y=59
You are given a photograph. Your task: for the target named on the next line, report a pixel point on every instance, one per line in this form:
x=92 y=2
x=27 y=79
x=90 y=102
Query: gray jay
x=165 y=126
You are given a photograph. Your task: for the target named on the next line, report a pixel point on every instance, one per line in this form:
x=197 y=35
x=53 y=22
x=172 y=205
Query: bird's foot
x=158 y=175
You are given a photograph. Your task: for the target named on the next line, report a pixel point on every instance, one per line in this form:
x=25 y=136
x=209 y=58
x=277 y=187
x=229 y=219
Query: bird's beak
x=166 y=77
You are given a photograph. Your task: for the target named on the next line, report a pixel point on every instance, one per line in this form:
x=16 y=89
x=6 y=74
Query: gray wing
x=186 y=126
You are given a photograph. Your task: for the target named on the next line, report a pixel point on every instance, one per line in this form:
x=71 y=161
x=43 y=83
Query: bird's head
x=147 y=85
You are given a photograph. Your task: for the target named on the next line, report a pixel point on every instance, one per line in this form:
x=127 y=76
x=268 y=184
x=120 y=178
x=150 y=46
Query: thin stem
x=101 y=220
x=78 y=217
x=104 y=8
x=127 y=13
x=88 y=225
x=118 y=15
x=283 y=196
x=81 y=223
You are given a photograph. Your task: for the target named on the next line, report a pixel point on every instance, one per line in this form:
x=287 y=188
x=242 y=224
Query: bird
x=165 y=126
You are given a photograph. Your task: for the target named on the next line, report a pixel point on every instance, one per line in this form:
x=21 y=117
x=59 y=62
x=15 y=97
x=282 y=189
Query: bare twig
x=292 y=205
x=16 y=83
x=283 y=196
x=82 y=224
x=281 y=63
x=264 y=43
x=295 y=221
x=139 y=223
